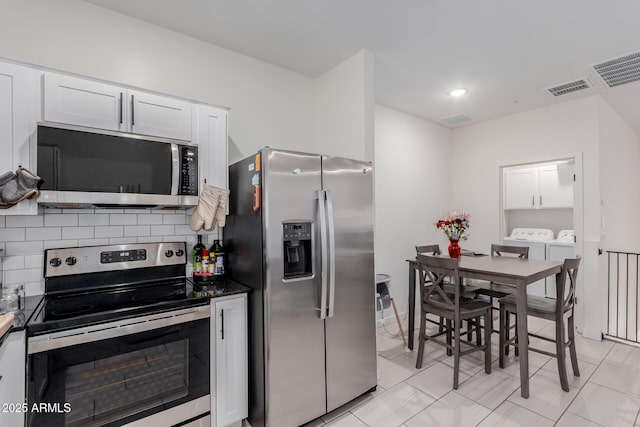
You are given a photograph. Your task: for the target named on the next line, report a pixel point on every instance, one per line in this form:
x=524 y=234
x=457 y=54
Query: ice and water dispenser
x=297 y=249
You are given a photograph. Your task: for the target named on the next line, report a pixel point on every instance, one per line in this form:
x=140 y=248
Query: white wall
x=343 y=108
x=412 y=160
x=619 y=186
x=619 y=181
x=269 y=105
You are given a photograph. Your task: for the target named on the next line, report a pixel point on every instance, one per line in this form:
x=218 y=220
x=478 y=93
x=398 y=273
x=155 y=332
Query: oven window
x=118 y=380
x=126 y=384
x=80 y=161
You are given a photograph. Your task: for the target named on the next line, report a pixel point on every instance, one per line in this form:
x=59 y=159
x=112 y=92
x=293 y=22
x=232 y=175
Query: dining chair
x=468 y=291
x=496 y=290
x=557 y=310
x=454 y=308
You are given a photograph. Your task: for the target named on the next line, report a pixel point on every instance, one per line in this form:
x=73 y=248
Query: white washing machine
x=536 y=239
x=558 y=250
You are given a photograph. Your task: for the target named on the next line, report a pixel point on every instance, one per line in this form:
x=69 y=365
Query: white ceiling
x=505 y=52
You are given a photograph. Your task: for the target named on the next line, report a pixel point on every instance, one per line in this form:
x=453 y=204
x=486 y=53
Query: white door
x=84 y=103
x=212 y=145
x=19 y=106
x=231 y=383
x=520 y=188
x=556 y=186
x=12 y=378
x=159 y=116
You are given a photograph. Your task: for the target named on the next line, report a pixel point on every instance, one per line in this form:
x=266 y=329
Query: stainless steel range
x=119 y=339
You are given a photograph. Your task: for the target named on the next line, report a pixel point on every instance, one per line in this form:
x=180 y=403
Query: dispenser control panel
x=299 y=231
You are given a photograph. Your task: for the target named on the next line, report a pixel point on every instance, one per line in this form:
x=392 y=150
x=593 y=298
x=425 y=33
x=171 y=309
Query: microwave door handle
x=175 y=169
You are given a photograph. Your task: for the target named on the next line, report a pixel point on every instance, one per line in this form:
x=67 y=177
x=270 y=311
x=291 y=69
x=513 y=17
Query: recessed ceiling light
x=457 y=92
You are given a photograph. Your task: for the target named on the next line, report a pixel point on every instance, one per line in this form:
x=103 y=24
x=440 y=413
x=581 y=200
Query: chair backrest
x=565 y=289
x=519 y=251
x=428 y=249
x=433 y=271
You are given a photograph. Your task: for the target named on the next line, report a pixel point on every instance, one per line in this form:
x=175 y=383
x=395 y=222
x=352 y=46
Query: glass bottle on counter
x=197 y=255
x=218 y=270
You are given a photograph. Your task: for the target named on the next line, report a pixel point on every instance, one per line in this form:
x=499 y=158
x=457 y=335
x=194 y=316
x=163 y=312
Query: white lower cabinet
x=12 y=379
x=229 y=360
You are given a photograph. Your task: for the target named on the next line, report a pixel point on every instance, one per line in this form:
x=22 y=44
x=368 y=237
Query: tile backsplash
x=24 y=238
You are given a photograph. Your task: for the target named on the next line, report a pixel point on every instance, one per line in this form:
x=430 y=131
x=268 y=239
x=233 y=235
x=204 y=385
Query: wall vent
x=619 y=71
x=569 y=87
x=458 y=119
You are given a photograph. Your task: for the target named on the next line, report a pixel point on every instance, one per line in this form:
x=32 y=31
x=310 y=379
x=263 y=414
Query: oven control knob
x=55 y=262
x=179 y=252
x=168 y=253
x=70 y=260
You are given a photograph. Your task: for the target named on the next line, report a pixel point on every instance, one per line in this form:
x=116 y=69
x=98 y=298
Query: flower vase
x=454 y=249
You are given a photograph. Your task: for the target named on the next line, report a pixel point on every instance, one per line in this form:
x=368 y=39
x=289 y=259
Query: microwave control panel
x=188 y=171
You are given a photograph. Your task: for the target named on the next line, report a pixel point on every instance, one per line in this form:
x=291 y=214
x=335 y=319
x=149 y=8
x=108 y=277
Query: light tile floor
x=606 y=394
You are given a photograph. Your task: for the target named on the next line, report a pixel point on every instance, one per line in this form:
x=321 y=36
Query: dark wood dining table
x=511 y=271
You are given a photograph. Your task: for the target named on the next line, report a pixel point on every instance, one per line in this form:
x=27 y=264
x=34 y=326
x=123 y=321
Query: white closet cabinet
x=19 y=107
x=544 y=187
x=229 y=367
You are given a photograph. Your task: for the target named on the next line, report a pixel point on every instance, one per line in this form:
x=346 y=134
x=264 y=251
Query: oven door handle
x=40 y=343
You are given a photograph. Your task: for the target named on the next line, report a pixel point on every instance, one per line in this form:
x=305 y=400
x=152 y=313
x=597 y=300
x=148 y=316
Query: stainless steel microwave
x=86 y=167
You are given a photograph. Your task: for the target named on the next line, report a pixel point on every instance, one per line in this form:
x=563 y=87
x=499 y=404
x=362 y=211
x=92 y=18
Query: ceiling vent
x=458 y=119
x=619 y=71
x=569 y=87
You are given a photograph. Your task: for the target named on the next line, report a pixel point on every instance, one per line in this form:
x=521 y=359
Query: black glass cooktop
x=72 y=310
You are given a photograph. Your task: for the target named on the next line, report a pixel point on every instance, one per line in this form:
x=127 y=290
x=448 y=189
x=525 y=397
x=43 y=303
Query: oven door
x=119 y=372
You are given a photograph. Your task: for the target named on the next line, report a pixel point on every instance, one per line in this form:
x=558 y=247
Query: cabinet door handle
x=222 y=321
x=133 y=119
x=540 y=200
x=121 y=105
x=533 y=201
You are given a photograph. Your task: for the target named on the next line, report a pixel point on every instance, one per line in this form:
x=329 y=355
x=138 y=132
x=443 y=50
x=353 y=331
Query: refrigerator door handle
x=322 y=219
x=332 y=254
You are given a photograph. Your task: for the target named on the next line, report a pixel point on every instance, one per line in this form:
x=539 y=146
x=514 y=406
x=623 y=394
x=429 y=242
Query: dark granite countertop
x=222 y=288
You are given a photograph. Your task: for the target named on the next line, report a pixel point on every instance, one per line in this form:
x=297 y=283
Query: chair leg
x=506 y=323
x=504 y=330
x=478 y=331
x=449 y=324
x=421 y=339
x=572 y=347
x=456 y=356
x=516 y=351
x=488 y=322
x=562 y=367
x=441 y=325
x=469 y=330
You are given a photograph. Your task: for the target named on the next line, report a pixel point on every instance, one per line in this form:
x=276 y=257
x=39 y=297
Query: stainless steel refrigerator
x=300 y=234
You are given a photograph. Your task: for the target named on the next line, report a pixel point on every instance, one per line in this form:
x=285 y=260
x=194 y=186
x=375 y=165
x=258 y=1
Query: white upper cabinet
x=542 y=187
x=84 y=103
x=159 y=116
x=520 y=188
x=212 y=140
x=556 y=186
x=19 y=115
